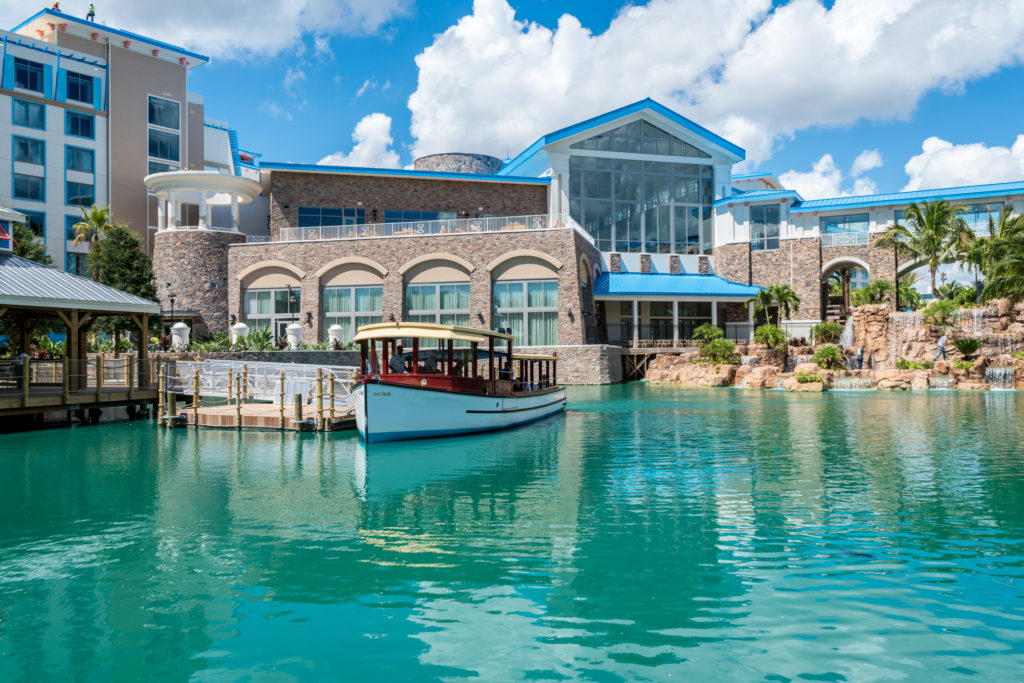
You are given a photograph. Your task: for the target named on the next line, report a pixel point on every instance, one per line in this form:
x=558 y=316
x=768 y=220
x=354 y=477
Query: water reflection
x=650 y=532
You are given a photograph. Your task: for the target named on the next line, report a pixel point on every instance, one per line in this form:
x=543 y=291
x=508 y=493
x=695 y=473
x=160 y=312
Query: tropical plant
x=941 y=313
x=962 y=364
x=904 y=364
x=804 y=377
x=119 y=260
x=909 y=298
x=718 y=352
x=963 y=295
x=1019 y=355
x=835 y=287
x=29 y=246
x=798 y=341
x=933 y=232
x=783 y=297
x=826 y=332
x=1005 y=277
x=968 y=346
x=875 y=292
x=830 y=357
x=986 y=250
x=95 y=221
x=771 y=335
x=708 y=332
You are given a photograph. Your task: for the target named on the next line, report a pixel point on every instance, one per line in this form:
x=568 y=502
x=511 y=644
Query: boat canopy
x=532 y=356
x=426 y=331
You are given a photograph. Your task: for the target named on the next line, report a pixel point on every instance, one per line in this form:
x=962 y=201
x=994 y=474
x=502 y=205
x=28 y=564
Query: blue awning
x=659 y=284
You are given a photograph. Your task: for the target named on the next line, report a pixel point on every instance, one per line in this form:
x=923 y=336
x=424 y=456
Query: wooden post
x=231 y=381
x=129 y=370
x=161 y=382
x=99 y=377
x=490 y=359
x=331 y=387
x=415 y=355
x=66 y=392
x=473 y=349
x=25 y=376
x=238 y=401
x=320 y=398
x=280 y=401
x=195 y=397
x=245 y=383
x=554 y=373
x=172 y=408
x=297 y=398
x=451 y=357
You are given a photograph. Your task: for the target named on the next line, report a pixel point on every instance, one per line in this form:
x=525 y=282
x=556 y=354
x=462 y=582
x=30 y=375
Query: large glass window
x=69 y=226
x=764 y=227
x=857 y=222
x=29 y=114
x=352 y=307
x=80 y=159
x=164 y=145
x=29 y=151
x=80 y=194
x=76 y=264
x=80 y=87
x=28 y=75
x=80 y=125
x=316 y=216
x=641 y=137
x=977 y=216
x=271 y=308
x=444 y=303
x=29 y=187
x=35 y=221
x=530 y=309
x=164 y=113
x=631 y=205
x=413 y=216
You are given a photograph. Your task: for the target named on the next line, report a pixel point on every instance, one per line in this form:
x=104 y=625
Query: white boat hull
x=385 y=412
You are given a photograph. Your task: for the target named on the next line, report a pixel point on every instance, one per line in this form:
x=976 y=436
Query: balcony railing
x=257 y=239
x=844 y=239
x=452 y=226
x=659 y=333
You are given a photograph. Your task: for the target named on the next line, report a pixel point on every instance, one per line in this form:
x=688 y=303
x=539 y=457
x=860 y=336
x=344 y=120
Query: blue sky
x=865 y=81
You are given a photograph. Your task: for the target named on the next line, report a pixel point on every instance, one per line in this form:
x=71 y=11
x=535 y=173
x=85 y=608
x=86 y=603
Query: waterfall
x=793 y=361
x=1000 y=377
x=749 y=360
x=846 y=338
x=852 y=383
x=976 y=316
x=899 y=325
x=940 y=382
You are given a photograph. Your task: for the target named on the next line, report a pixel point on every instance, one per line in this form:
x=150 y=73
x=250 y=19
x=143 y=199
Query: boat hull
x=387 y=412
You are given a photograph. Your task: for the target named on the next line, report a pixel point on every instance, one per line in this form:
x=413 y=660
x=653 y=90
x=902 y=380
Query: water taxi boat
x=420 y=380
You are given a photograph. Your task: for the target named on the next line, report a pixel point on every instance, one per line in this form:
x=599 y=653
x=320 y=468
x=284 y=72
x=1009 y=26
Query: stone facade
x=193 y=264
x=576 y=319
x=732 y=261
x=377 y=194
x=585 y=364
x=459 y=163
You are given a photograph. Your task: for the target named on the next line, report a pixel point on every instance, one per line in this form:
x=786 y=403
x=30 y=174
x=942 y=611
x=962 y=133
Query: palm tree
x=935 y=233
x=1005 y=278
x=94 y=222
x=782 y=296
x=986 y=249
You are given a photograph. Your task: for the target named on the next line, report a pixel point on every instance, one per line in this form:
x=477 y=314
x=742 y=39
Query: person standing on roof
x=91 y=16
x=56 y=7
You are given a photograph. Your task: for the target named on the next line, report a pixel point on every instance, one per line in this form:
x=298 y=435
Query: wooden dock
x=264 y=416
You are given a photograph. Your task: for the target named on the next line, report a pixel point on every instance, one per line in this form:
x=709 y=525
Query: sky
x=836 y=98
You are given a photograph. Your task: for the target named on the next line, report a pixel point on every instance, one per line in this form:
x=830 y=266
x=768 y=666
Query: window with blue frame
x=80 y=194
x=316 y=216
x=28 y=75
x=29 y=114
x=414 y=216
x=856 y=222
x=29 y=151
x=29 y=187
x=80 y=125
x=76 y=264
x=80 y=88
x=35 y=221
x=764 y=227
x=69 y=227
x=79 y=159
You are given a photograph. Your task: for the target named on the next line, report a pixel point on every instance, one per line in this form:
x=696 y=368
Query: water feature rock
x=920 y=380
x=973 y=386
x=806 y=387
x=941 y=367
x=665 y=365
x=742 y=371
x=807 y=367
x=763 y=377
x=771 y=357
x=892 y=380
x=678 y=369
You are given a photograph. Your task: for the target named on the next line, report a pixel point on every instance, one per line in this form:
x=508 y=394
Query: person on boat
x=397 y=361
x=504 y=373
x=430 y=364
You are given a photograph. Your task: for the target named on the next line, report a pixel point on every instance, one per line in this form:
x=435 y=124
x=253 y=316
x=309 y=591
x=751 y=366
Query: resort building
x=65 y=84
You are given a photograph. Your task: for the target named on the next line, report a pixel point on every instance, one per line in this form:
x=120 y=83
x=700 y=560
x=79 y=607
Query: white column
x=204 y=221
x=675 y=324
x=636 y=321
x=161 y=213
x=558 y=201
x=750 y=318
x=177 y=210
x=714 y=314
x=234 y=212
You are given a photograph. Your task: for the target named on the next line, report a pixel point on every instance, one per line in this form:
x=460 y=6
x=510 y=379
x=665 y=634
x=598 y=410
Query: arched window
x=353 y=295
x=437 y=291
x=525 y=296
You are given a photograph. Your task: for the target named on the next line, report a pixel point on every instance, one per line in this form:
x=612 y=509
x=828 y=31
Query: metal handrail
x=844 y=239
x=262 y=380
x=452 y=226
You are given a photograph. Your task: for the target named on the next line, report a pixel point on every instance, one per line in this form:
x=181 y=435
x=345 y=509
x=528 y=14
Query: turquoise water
x=650 y=533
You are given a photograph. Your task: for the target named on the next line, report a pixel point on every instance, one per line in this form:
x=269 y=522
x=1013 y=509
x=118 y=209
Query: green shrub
x=941 y=313
x=968 y=346
x=770 y=335
x=904 y=364
x=804 y=377
x=718 y=352
x=962 y=364
x=876 y=292
x=1019 y=355
x=830 y=357
x=826 y=332
x=708 y=332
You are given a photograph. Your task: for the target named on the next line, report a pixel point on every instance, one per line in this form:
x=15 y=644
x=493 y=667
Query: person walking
x=860 y=357
x=91 y=16
x=942 y=347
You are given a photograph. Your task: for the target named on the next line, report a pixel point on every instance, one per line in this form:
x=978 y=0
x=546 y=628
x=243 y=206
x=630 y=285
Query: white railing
x=452 y=226
x=257 y=239
x=215 y=228
x=262 y=380
x=844 y=239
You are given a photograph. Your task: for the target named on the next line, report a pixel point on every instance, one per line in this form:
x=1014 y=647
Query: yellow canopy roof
x=426 y=331
x=532 y=356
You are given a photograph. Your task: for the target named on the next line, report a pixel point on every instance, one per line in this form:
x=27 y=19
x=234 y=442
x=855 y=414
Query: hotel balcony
x=451 y=226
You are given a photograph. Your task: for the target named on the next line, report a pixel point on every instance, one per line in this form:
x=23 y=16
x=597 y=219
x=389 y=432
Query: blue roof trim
x=401 y=173
x=748 y=176
x=658 y=284
x=608 y=117
x=757 y=195
x=948 y=193
x=102 y=27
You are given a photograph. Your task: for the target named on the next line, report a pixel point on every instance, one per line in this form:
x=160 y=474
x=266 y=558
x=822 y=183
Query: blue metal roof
x=102 y=27
x=400 y=173
x=947 y=193
x=658 y=284
x=757 y=195
x=613 y=115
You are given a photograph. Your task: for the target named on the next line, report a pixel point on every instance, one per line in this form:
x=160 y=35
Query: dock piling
x=195 y=397
x=280 y=400
x=238 y=401
x=320 y=399
x=298 y=407
x=161 y=381
x=99 y=377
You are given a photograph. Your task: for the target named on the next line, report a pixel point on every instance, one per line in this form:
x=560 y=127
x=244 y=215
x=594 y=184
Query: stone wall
x=585 y=364
x=459 y=162
x=193 y=264
x=797 y=263
x=376 y=194
x=732 y=261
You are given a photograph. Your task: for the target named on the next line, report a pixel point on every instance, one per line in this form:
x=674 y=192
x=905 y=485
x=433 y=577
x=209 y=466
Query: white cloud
x=368 y=84
x=234 y=29
x=292 y=76
x=322 y=47
x=275 y=110
x=373 y=147
x=752 y=73
x=825 y=179
x=943 y=164
x=865 y=161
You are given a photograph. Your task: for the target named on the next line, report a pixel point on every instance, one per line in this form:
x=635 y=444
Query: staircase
x=834 y=312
